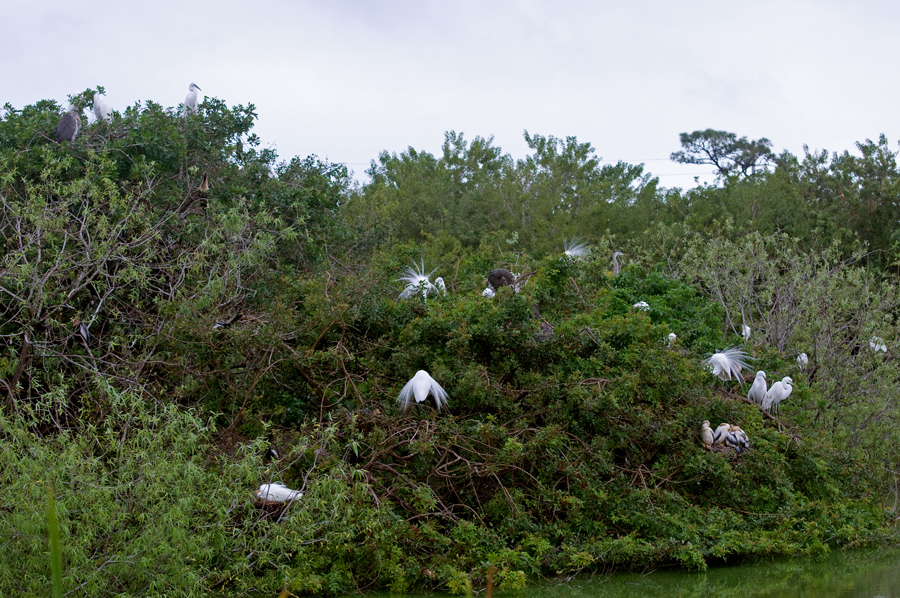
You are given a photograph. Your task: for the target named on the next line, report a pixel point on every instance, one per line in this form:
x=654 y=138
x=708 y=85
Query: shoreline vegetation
x=184 y=318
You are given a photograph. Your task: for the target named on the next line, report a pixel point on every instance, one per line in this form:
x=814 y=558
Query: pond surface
x=870 y=573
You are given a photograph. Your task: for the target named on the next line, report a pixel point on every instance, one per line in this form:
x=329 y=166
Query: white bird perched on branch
x=574 y=249
x=642 y=305
x=745 y=332
x=803 y=361
x=672 y=338
x=706 y=434
x=418 y=282
x=101 y=108
x=190 y=100
x=420 y=386
x=758 y=389
x=276 y=492
x=780 y=391
x=727 y=364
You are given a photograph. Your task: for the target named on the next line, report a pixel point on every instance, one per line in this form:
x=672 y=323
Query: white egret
x=745 y=332
x=779 y=392
x=439 y=283
x=615 y=260
x=420 y=386
x=190 y=100
x=758 y=389
x=101 y=108
x=877 y=344
x=802 y=361
x=737 y=439
x=574 y=249
x=277 y=493
x=69 y=125
x=418 y=282
x=672 y=338
x=641 y=305
x=727 y=364
x=721 y=433
x=706 y=434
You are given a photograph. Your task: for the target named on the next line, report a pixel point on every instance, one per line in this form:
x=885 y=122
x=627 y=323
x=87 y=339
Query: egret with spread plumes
x=727 y=364
x=420 y=386
x=706 y=434
x=574 y=249
x=69 y=125
x=277 y=493
x=779 y=392
x=190 y=100
x=758 y=389
x=418 y=282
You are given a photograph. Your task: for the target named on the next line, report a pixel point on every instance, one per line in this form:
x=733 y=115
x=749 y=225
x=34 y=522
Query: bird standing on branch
x=420 y=386
x=190 y=100
x=706 y=434
x=101 y=108
x=758 y=389
x=727 y=364
x=69 y=125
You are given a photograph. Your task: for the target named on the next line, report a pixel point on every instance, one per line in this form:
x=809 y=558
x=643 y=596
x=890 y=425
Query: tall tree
x=728 y=153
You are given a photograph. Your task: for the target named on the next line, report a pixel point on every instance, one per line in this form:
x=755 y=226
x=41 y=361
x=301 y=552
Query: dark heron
x=69 y=125
x=501 y=278
x=190 y=100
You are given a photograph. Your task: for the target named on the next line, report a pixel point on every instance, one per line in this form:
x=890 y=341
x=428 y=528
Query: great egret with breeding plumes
x=706 y=434
x=574 y=249
x=276 y=492
x=745 y=332
x=190 y=100
x=615 y=260
x=779 y=392
x=101 y=108
x=68 y=125
x=420 y=386
x=727 y=364
x=758 y=389
x=418 y=282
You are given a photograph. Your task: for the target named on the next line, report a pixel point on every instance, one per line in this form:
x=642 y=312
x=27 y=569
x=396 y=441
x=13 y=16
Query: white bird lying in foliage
x=277 y=493
x=706 y=434
x=877 y=344
x=418 y=282
x=641 y=305
x=779 y=392
x=420 y=386
x=574 y=249
x=758 y=389
x=727 y=364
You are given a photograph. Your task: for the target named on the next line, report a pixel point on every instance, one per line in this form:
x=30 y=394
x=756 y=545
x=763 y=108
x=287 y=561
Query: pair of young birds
x=727 y=434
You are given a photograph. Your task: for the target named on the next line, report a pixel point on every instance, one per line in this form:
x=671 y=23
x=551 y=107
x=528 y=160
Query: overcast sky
x=348 y=79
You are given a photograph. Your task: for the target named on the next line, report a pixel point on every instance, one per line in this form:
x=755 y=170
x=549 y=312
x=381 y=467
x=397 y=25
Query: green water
x=840 y=574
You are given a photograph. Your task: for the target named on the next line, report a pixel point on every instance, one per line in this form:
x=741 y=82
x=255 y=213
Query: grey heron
x=615 y=259
x=420 y=386
x=190 y=100
x=727 y=364
x=69 y=125
x=501 y=277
